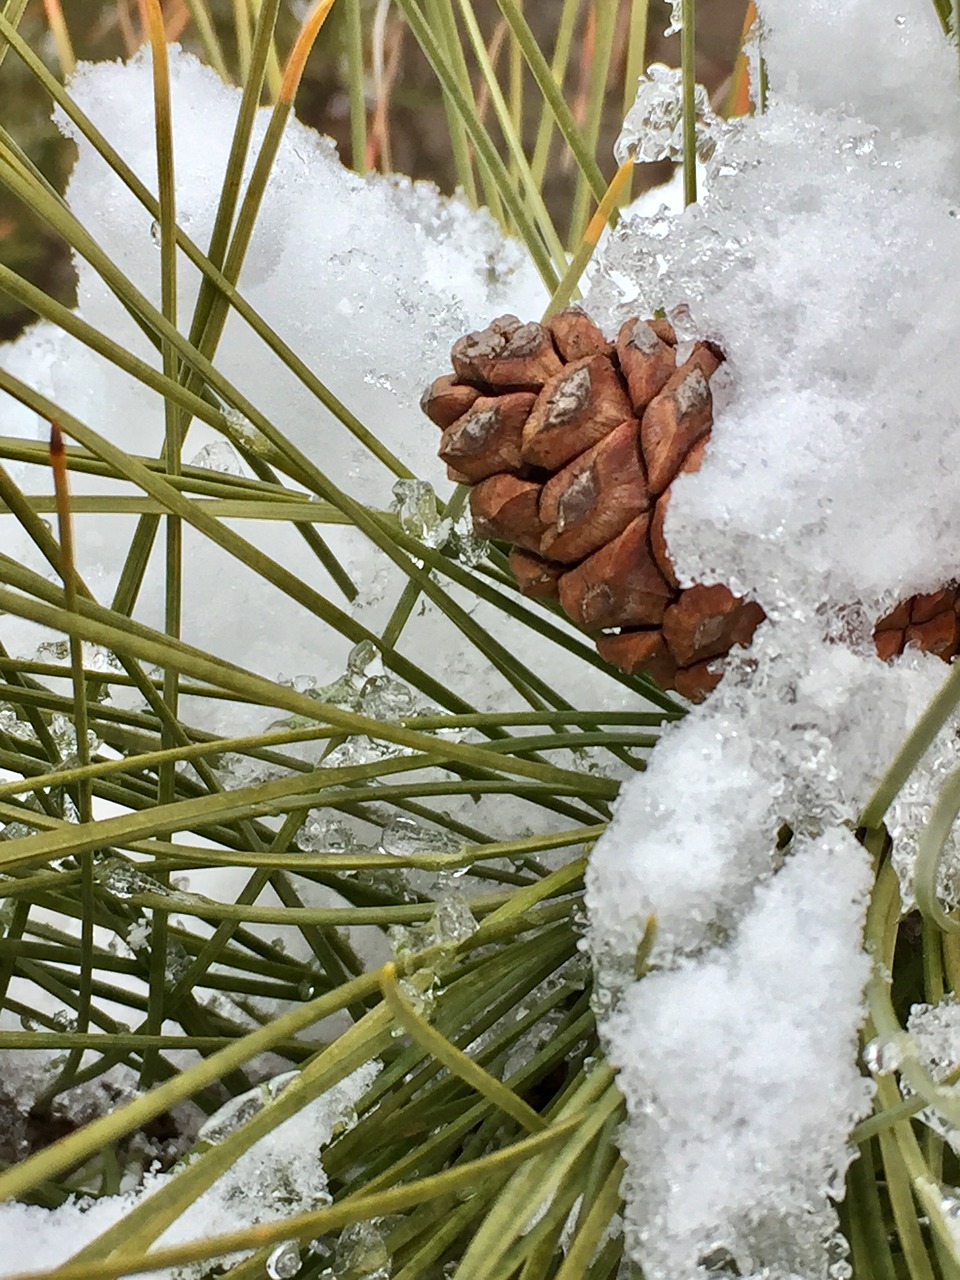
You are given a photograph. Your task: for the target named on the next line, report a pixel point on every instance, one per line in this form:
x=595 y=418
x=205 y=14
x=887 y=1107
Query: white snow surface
x=742 y=1105
x=935 y=1040
x=280 y=1175
x=369 y=279
x=823 y=258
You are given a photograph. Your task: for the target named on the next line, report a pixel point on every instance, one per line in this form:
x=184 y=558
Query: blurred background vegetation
x=407 y=124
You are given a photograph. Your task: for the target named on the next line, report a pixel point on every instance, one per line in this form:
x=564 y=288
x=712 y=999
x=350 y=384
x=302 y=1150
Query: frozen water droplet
x=303 y=683
x=155 y=231
x=178 y=962
x=403 y=835
x=284 y=1261
x=360 y=658
x=306 y=990
x=468 y=548
x=361 y=750
x=244 y=434
x=55 y=650
x=340 y=693
x=218 y=456
x=123 y=879
x=12 y=725
x=653 y=128
x=324 y=835
x=415 y=503
x=420 y=991
x=385 y=698
x=64 y=736
x=400 y=836
x=244 y=771
x=900 y=20
x=684 y=323
x=880 y=1057
x=231 y=1116
x=362 y=1251
x=676 y=18
x=452 y=918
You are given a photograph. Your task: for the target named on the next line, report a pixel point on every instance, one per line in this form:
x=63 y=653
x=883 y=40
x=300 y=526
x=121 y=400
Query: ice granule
x=653 y=127
x=935 y=1032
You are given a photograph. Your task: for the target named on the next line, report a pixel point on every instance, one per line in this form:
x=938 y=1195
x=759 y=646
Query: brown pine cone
x=930 y=622
x=571 y=444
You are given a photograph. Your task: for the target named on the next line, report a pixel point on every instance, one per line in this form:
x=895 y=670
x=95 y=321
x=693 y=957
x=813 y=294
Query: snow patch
x=822 y=259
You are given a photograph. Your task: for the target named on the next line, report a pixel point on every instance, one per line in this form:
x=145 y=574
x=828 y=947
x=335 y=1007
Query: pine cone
x=930 y=622
x=571 y=444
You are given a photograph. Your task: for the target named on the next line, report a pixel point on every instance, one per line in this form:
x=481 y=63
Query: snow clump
x=823 y=259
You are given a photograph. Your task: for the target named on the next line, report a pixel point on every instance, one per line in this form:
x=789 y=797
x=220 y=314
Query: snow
x=823 y=260
x=935 y=1039
x=369 y=279
x=745 y=1073
x=281 y=1174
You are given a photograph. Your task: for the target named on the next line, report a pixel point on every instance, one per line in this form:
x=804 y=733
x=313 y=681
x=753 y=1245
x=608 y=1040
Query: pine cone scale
x=507 y=355
x=535 y=576
x=619 y=585
x=505 y=507
x=575 y=336
x=925 y=608
x=647 y=362
x=706 y=622
x=639 y=651
x=575 y=410
x=938 y=635
x=487 y=438
x=446 y=400
x=594 y=497
x=673 y=423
